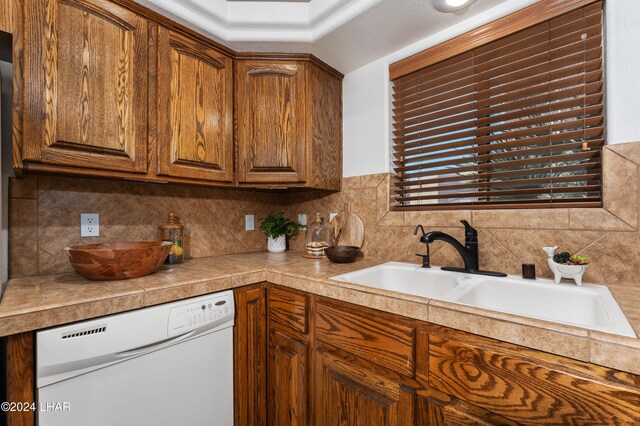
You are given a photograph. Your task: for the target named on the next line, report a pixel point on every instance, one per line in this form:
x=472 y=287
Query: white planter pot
x=277 y=245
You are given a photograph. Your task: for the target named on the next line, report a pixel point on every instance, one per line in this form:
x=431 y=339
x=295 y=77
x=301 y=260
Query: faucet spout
x=468 y=252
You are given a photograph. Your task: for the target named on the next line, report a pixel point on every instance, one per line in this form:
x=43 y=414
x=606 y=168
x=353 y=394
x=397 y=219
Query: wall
x=44 y=214
x=507 y=238
x=366 y=90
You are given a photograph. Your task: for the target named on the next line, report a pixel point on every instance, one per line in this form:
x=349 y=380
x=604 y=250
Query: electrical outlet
x=249 y=222
x=302 y=218
x=89 y=225
x=332 y=215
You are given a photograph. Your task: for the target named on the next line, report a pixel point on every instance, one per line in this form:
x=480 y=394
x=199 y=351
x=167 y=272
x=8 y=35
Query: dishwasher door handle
x=155 y=346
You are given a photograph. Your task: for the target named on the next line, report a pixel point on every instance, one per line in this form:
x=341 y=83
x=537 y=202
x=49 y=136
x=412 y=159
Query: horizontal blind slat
x=518 y=121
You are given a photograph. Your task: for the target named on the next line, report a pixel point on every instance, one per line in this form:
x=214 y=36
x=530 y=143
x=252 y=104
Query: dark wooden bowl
x=118 y=261
x=342 y=254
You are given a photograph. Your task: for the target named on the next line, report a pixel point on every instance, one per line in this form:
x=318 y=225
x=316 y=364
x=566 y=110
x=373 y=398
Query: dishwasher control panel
x=200 y=313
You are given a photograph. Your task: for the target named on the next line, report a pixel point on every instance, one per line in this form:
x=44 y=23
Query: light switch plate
x=89 y=225
x=249 y=222
x=302 y=218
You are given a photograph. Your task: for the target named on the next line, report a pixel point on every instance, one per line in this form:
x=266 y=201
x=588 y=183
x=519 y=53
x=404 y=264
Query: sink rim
x=469 y=282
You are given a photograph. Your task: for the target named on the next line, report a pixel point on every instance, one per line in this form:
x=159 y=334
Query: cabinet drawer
x=524 y=390
x=381 y=338
x=288 y=311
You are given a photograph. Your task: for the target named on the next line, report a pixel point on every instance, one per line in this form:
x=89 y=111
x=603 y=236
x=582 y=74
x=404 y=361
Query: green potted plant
x=277 y=228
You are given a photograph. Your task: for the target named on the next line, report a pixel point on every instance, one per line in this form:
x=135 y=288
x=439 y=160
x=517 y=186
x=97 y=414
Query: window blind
x=515 y=123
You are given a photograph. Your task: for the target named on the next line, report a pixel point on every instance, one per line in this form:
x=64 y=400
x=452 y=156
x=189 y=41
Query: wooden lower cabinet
x=288 y=380
x=250 y=357
x=346 y=393
x=333 y=363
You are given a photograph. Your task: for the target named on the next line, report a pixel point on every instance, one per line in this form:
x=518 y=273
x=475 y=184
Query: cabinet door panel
x=288 y=378
x=271 y=121
x=195 y=103
x=346 y=394
x=85 y=85
x=523 y=389
x=250 y=357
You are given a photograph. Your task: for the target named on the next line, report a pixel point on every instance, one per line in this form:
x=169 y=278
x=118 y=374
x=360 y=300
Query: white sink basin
x=589 y=306
x=404 y=278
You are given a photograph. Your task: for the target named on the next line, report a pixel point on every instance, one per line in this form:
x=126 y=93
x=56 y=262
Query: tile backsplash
x=608 y=236
x=45 y=218
x=44 y=215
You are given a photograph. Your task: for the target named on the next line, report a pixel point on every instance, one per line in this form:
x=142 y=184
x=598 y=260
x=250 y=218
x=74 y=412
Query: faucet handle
x=469 y=231
x=425 y=260
x=418 y=227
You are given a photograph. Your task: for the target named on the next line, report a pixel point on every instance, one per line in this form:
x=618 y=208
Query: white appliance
x=165 y=365
x=6 y=170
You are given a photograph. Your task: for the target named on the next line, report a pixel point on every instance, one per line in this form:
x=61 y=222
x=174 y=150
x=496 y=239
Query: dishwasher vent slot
x=82 y=333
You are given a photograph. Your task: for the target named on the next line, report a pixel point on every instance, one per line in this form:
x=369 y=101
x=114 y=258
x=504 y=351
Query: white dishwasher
x=165 y=365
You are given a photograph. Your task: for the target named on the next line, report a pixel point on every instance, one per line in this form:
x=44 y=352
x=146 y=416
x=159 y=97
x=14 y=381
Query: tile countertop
x=44 y=301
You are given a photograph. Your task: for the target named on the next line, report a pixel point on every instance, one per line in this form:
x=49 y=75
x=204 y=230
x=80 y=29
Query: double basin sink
x=589 y=306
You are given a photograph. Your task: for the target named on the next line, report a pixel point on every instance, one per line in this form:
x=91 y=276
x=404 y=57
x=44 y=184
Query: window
x=516 y=122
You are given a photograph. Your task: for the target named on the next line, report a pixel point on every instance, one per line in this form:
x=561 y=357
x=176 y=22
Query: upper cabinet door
x=195 y=110
x=271 y=133
x=85 y=85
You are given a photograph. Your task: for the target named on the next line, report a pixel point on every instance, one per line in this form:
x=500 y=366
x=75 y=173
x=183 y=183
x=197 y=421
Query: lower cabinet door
x=434 y=412
x=250 y=357
x=346 y=394
x=288 y=380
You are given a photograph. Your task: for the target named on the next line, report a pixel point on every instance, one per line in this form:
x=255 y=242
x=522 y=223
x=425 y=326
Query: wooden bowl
x=342 y=254
x=118 y=261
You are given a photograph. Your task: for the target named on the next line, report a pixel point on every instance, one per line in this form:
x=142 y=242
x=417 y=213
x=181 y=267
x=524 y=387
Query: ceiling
x=346 y=34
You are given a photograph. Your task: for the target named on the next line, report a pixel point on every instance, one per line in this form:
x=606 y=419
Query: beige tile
x=620 y=187
x=321 y=289
x=435 y=219
x=615 y=259
x=24 y=187
x=392 y=219
x=69 y=314
x=596 y=220
x=23 y=237
x=629 y=150
x=541 y=335
x=617 y=352
x=521 y=219
x=353 y=182
x=526 y=244
x=372 y=181
x=178 y=292
x=415 y=310
x=628 y=298
x=382 y=199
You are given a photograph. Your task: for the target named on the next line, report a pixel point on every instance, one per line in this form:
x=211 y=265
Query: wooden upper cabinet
x=85 y=76
x=195 y=109
x=271 y=121
x=289 y=124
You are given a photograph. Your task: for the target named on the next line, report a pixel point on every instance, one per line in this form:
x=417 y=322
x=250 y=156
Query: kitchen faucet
x=468 y=252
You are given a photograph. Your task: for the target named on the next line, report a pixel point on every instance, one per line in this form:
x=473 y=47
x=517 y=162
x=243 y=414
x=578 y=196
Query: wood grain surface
x=270 y=119
x=250 y=357
x=346 y=394
x=383 y=338
x=324 y=128
x=526 y=391
x=85 y=85
x=195 y=109
x=6 y=16
x=288 y=380
x=21 y=381
x=288 y=311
